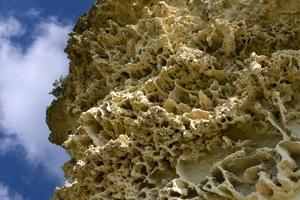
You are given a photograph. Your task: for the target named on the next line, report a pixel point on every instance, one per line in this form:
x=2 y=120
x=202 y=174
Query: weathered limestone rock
x=182 y=99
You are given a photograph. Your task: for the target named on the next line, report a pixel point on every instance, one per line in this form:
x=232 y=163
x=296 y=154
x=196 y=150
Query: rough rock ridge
x=182 y=99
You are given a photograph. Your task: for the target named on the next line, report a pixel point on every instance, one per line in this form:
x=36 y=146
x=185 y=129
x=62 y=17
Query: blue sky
x=33 y=34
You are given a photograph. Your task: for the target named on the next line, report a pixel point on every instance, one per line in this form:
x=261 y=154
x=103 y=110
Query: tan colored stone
x=182 y=99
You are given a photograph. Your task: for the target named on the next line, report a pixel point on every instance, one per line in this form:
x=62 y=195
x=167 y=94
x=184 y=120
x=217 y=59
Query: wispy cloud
x=10 y=27
x=33 y=12
x=25 y=80
x=7 y=144
x=6 y=194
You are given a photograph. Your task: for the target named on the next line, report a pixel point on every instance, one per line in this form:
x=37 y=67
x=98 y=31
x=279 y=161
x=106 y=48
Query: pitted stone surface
x=182 y=99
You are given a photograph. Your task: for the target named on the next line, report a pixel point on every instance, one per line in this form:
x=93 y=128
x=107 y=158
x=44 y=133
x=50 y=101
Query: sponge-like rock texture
x=182 y=99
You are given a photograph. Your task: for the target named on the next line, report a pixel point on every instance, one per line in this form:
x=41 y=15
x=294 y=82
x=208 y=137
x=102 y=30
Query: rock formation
x=182 y=99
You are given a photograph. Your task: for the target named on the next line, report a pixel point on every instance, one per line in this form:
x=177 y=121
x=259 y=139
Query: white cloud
x=9 y=27
x=26 y=78
x=33 y=12
x=6 y=194
x=7 y=143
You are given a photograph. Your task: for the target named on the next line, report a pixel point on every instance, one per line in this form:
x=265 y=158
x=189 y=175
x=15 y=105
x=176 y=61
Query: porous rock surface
x=182 y=99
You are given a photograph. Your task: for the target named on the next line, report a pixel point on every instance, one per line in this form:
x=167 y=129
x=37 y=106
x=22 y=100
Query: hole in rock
x=99 y=178
x=253 y=131
x=192 y=193
x=159 y=175
x=174 y=194
x=99 y=163
x=195 y=170
x=165 y=124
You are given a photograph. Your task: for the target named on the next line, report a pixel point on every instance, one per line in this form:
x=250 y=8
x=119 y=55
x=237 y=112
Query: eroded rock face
x=182 y=99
